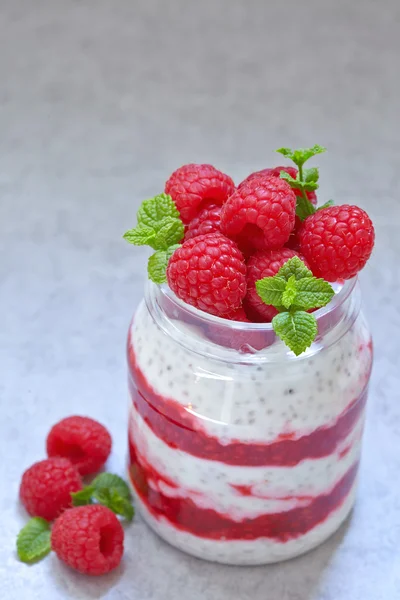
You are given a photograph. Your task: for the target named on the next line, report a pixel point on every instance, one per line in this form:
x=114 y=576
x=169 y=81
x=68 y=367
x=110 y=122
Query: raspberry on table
x=193 y=185
x=90 y=539
x=84 y=441
x=46 y=487
x=276 y=172
x=208 y=272
x=260 y=213
x=265 y=263
x=337 y=241
x=207 y=221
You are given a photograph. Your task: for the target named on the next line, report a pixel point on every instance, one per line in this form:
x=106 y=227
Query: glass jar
x=239 y=451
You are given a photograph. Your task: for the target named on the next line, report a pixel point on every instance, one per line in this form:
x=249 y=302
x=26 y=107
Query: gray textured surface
x=99 y=101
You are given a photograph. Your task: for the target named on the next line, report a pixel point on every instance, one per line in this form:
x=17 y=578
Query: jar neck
x=208 y=335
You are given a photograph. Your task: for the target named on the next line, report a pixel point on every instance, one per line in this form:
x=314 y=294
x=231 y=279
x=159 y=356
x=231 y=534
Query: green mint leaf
x=270 y=290
x=158 y=262
x=82 y=497
x=111 y=481
x=312 y=293
x=301 y=155
x=154 y=210
x=142 y=235
x=290 y=292
x=170 y=232
x=294 y=183
x=294 y=266
x=297 y=329
x=116 y=502
x=297 y=184
x=286 y=152
x=33 y=541
x=157 y=267
x=326 y=205
x=311 y=175
x=304 y=208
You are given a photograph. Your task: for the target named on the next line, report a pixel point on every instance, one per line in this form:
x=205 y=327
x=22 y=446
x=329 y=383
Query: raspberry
x=192 y=185
x=84 y=441
x=263 y=264
x=90 y=539
x=238 y=315
x=207 y=221
x=261 y=213
x=275 y=172
x=337 y=241
x=46 y=487
x=294 y=239
x=208 y=272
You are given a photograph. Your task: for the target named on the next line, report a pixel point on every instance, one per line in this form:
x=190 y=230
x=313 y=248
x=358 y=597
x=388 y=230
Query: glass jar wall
x=239 y=451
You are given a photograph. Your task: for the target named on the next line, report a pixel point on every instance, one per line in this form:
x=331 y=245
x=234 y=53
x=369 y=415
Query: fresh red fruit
x=276 y=172
x=337 y=241
x=260 y=213
x=263 y=264
x=192 y=185
x=207 y=221
x=85 y=442
x=294 y=240
x=46 y=487
x=238 y=315
x=90 y=539
x=208 y=272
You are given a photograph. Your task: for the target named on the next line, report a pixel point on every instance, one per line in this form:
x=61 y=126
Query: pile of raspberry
x=90 y=539
x=238 y=235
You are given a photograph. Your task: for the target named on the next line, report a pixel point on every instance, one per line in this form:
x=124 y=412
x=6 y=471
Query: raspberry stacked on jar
x=244 y=435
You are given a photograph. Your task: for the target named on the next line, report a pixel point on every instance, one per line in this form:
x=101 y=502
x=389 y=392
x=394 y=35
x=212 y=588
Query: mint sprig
x=293 y=291
x=306 y=179
x=33 y=541
x=109 y=490
x=160 y=227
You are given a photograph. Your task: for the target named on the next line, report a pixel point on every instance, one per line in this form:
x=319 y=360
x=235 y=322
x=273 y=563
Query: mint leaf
x=297 y=184
x=111 y=481
x=304 y=208
x=294 y=266
x=33 y=541
x=286 y=152
x=290 y=292
x=301 y=155
x=158 y=263
x=294 y=183
x=311 y=175
x=312 y=293
x=82 y=497
x=142 y=235
x=270 y=290
x=170 y=232
x=297 y=329
x=115 y=501
x=326 y=205
x=156 y=209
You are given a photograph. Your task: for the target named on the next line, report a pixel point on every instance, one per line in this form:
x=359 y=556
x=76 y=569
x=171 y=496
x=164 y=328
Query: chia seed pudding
x=239 y=451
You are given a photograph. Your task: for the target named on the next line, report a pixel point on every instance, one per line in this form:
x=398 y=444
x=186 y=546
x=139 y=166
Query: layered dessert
x=248 y=370
x=243 y=463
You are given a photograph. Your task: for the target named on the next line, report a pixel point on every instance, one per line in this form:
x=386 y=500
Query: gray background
x=100 y=101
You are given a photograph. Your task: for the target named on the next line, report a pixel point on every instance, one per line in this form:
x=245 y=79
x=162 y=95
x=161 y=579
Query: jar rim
x=207 y=318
